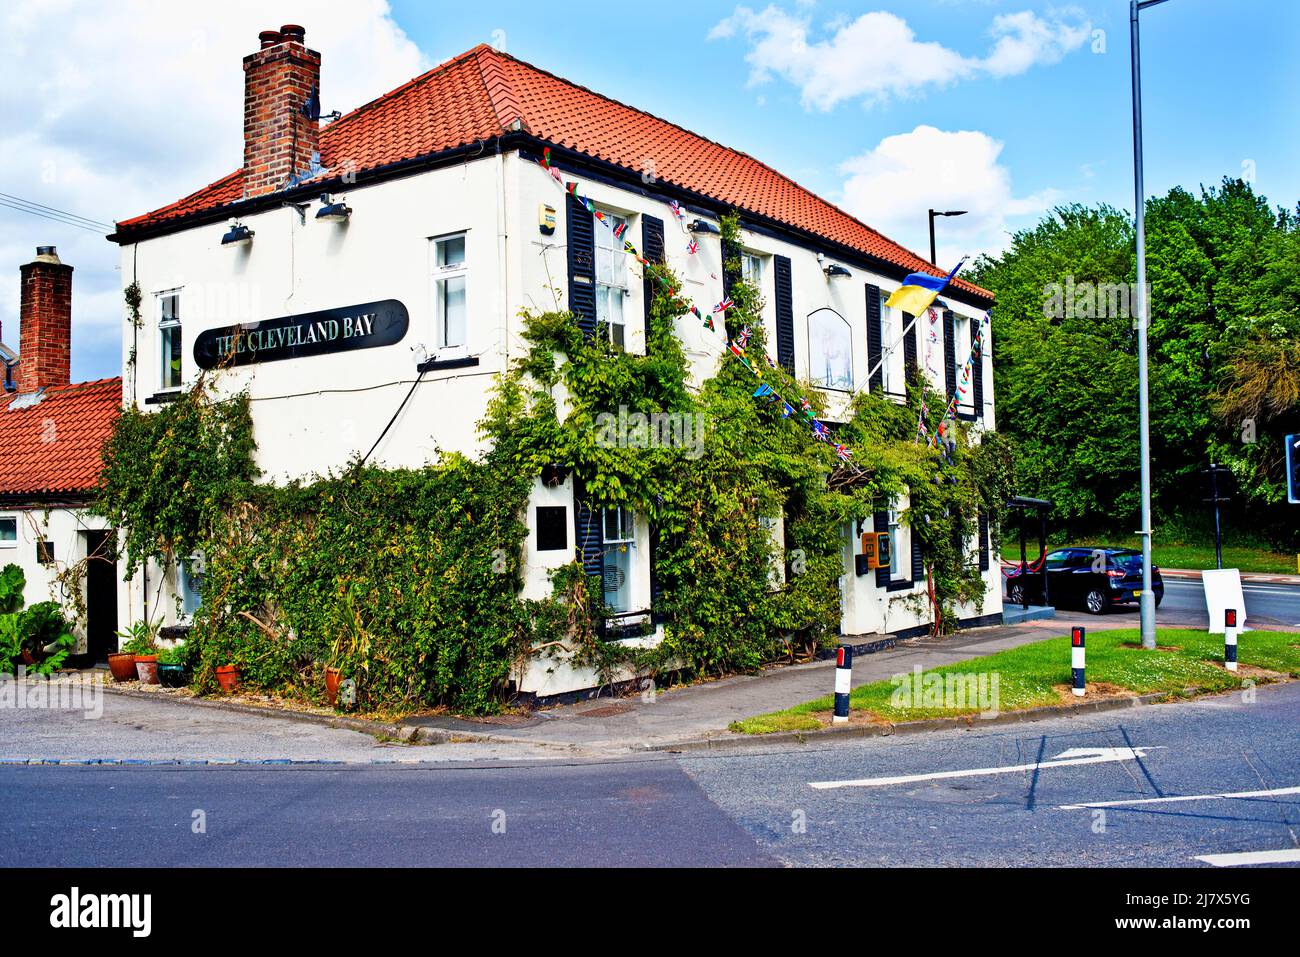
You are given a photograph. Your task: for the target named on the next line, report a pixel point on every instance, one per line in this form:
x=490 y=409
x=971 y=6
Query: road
x=1274 y=603
x=1001 y=796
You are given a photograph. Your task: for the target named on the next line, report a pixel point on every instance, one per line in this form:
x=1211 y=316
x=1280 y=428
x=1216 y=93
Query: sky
x=1003 y=108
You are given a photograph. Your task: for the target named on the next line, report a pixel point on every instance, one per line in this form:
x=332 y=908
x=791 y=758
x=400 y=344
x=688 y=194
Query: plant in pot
x=47 y=637
x=142 y=644
x=172 y=666
x=351 y=647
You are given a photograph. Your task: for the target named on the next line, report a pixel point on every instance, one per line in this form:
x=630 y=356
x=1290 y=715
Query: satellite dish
x=311 y=106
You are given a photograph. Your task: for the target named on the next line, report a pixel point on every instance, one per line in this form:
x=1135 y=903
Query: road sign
x=1293 y=469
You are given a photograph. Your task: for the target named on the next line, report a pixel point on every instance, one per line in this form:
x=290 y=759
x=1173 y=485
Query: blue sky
x=1005 y=107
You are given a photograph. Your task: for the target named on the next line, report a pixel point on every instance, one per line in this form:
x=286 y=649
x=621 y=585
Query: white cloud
x=877 y=56
x=891 y=187
x=115 y=109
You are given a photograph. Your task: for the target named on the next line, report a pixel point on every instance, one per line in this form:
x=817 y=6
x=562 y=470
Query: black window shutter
x=652 y=247
x=582 y=264
x=909 y=351
x=918 y=560
x=784 y=300
x=656 y=586
x=874 y=347
x=979 y=383
x=949 y=354
x=983 y=544
x=589 y=535
x=880 y=523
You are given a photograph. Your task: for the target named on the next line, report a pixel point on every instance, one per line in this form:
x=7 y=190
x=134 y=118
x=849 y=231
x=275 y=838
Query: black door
x=101 y=596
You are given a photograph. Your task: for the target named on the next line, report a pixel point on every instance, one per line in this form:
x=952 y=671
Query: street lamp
x=1147 y=602
x=933 y=213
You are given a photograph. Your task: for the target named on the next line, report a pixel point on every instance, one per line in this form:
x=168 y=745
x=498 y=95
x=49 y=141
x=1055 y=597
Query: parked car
x=1090 y=578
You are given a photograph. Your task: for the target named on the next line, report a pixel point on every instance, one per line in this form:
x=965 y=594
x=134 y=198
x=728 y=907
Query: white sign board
x=1223 y=591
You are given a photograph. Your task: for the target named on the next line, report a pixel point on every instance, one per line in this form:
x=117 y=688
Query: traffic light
x=1293 y=469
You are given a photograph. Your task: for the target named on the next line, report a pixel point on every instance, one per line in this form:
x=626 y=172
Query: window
x=552 y=528
x=611 y=279
x=830 y=350
x=751 y=269
x=189 y=575
x=893 y=376
x=961 y=342
x=450 y=311
x=170 y=371
x=620 y=529
x=44 y=552
x=898 y=539
x=8 y=531
x=1058 y=560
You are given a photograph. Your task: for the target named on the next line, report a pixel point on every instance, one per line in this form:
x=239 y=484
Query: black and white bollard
x=1076 y=659
x=1230 y=639
x=843 y=683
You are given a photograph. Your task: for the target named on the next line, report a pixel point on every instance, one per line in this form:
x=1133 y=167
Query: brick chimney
x=280 y=139
x=45 y=322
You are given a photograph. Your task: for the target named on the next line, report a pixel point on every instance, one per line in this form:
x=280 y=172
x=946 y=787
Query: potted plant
x=228 y=677
x=171 y=667
x=142 y=645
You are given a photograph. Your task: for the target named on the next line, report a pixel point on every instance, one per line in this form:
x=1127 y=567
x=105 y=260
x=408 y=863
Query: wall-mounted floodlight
x=332 y=211
x=836 y=271
x=700 y=226
x=239 y=235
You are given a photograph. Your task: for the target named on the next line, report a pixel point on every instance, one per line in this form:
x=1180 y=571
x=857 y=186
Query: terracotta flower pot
x=332 y=679
x=146 y=667
x=122 y=665
x=228 y=677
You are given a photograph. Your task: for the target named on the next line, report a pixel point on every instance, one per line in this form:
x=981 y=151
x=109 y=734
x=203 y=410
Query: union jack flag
x=724 y=305
x=743 y=338
x=843 y=452
x=692 y=247
x=676 y=207
x=820 y=432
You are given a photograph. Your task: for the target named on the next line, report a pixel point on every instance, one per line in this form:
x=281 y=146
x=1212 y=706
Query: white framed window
x=830 y=350
x=620 y=536
x=893 y=375
x=8 y=531
x=961 y=342
x=895 y=543
x=450 y=303
x=751 y=269
x=611 y=279
x=189 y=576
x=171 y=370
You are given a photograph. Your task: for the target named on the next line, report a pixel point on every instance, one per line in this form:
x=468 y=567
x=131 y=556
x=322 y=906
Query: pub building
x=346 y=258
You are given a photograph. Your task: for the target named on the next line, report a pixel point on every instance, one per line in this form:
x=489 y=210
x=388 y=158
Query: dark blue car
x=1090 y=578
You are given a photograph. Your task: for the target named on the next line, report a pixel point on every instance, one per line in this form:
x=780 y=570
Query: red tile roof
x=53 y=446
x=484 y=93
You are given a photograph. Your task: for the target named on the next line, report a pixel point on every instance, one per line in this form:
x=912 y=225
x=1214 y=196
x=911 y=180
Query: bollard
x=1076 y=659
x=1230 y=639
x=843 y=683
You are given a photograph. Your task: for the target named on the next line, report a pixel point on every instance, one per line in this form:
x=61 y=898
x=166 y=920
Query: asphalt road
x=1001 y=796
x=1184 y=606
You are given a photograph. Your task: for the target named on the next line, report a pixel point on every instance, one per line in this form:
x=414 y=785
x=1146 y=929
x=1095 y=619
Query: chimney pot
x=291 y=31
x=269 y=38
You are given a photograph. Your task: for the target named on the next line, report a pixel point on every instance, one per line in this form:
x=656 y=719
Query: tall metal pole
x=933 y=260
x=1147 y=602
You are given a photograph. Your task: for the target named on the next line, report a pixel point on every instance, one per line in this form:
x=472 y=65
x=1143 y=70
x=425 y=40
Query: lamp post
x=934 y=213
x=1147 y=603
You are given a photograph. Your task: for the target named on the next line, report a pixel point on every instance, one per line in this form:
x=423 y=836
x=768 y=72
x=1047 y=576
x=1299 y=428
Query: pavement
x=176 y=729
x=1208 y=783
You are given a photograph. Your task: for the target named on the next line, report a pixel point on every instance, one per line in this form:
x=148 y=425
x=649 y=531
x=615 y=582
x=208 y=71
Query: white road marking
x=1231 y=795
x=1285 y=856
x=1064 y=759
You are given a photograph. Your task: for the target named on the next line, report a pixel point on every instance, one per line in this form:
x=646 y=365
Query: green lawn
x=1030 y=676
x=1194 y=555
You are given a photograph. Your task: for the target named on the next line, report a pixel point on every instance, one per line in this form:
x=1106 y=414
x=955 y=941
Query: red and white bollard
x=1077 y=660
x=843 y=684
x=1230 y=639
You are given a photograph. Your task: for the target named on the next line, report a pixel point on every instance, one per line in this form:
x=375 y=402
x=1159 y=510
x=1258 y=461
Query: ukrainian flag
x=919 y=290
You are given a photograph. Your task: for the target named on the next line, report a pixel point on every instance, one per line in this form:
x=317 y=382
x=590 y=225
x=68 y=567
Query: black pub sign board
x=366 y=326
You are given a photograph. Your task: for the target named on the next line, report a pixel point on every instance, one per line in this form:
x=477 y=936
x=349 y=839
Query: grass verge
x=1194 y=555
x=1038 y=674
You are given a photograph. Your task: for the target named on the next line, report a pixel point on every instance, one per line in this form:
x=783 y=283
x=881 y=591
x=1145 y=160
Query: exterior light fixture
x=836 y=271
x=239 y=235
x=700 y=226
x=332 y=211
